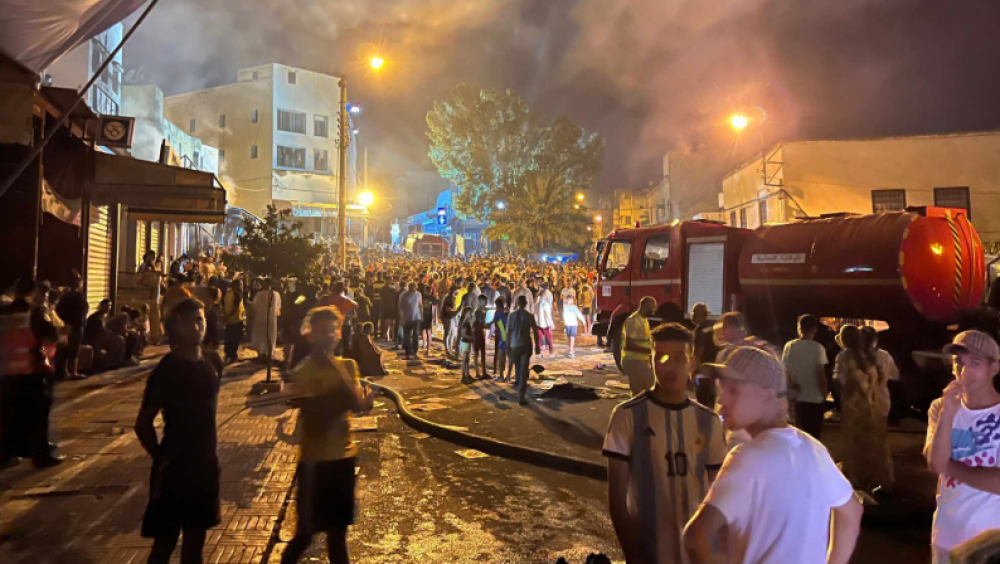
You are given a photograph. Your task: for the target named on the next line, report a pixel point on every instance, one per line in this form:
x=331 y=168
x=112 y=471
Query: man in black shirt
x=389 y=317
x=184 y=482
x=109 y=349
x=72 y=309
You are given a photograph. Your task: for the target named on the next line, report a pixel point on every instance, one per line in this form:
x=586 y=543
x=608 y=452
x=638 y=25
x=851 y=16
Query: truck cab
x=681 y=263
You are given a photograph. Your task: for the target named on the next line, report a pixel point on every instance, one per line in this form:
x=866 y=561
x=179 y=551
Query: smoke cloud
x=649 y=75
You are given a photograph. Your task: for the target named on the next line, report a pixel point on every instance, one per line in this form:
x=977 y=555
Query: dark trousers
x=520 y=357
x=67 y=354
x=234 y=334
x=25 y=400
x=809 y=417
x=411 y=336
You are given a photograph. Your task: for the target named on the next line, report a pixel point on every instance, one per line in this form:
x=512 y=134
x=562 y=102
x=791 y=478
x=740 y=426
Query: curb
x=493 y=447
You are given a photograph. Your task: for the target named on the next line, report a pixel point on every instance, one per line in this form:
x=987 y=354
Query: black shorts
x=586 y=311
x=326 y=494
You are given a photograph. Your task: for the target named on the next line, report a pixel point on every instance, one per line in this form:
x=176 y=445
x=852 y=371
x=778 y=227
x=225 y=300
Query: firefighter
x=27 y=347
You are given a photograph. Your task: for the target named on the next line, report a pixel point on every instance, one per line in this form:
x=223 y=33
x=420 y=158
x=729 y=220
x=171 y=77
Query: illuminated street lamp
x=597 y=218
x=343 y=141
x=501 y=205
x=366 y=199
x=739 y=122
x=579 y=197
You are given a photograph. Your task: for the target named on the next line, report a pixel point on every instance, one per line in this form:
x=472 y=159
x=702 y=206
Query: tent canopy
x=35 y=34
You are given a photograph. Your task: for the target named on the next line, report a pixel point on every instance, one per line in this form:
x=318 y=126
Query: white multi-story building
x=74 y=69
x=276 y=129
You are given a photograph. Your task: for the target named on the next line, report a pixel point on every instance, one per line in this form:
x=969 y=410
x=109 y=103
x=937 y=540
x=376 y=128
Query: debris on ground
x=421 y=436
x=572 y=392
x=471 y=453
x=441 y=386
x=470 y=396
x=427 y=407
x=570 y=373
x=617 y=384
x=364 y=424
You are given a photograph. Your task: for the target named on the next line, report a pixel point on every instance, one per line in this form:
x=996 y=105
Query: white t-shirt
x=670 y=449
x=804 y=361
x=776 y=493
x=886 y=364
x=571 y=316
x=963 y=511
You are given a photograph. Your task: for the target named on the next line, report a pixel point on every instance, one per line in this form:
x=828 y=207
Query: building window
x=293 y=122
x=253 y=151
x=197 y=160
x=291 y=77
x=321 y=160
x=743 y=218
x=321 y=126
x=292 y=157
x=192 y=126
x=253 y=117
x=255 y=75
x=656 y=253
x=626 y=221
x=732 y=218
x=762 y=210
x=955 y=197
x=888 y=201
x=222 y=156
x=222 y=121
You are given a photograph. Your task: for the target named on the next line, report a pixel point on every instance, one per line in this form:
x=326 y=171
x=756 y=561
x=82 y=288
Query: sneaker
x=49 y=461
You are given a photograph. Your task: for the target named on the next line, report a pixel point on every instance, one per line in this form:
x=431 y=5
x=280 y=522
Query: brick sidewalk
x=89 y=509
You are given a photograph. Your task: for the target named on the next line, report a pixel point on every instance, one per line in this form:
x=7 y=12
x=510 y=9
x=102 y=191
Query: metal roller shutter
x=705 y=276
x=98 y=257
x=154 y=236
x=141 y=240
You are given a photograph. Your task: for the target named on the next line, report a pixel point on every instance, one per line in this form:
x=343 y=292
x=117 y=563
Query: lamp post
x=740 y=122
x=376 y=63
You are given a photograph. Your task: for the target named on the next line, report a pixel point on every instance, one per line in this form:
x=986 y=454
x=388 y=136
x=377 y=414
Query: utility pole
x=342 y=199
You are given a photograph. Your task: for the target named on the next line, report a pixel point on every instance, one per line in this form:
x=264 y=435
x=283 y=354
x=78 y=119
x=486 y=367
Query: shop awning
x=158 y=192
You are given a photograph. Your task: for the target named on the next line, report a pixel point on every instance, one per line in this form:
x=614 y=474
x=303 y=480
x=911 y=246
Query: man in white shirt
x=805 y=361
x=663 y=452
x=963 y=445
x=775 y=497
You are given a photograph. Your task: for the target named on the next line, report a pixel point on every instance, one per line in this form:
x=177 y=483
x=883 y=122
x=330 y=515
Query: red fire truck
x=914 y=270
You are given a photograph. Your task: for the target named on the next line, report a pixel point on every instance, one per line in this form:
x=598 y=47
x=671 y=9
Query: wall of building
x=74 y=70
x=247 y=179
x=839 y=176
x=694 y=179
x=144 y=102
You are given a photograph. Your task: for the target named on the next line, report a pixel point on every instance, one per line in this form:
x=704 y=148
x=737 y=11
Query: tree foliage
x=540 y=217
x=495 y=149
x=276 y=249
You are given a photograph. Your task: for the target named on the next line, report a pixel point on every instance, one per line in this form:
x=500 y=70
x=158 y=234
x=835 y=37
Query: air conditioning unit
x=115 y=131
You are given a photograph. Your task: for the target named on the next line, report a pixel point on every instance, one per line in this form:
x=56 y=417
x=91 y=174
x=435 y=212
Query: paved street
x=419 y=500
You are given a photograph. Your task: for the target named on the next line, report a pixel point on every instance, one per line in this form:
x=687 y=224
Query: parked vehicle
x=427 y=245
x=915 y=271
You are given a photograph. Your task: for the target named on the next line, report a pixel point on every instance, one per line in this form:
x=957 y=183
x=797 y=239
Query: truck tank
x=922 y=265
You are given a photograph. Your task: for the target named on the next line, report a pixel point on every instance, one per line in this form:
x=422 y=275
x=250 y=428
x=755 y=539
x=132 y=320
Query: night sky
x=648 y=75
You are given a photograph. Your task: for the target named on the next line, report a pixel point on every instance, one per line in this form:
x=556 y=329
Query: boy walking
x=663 y=452
x=963 y=445
x=758 y=511
x=184 y=482
x=805 y=361
x=331 y=390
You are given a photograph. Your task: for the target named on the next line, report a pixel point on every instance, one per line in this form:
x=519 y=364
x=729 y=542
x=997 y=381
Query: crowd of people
x=699 y=458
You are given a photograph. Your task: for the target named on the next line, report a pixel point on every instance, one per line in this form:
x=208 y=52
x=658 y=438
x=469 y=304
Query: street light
x=579 y=197
x=501 y=205
x=343 y=141
x=739 y=122
x=366 y=199
x=597 y=218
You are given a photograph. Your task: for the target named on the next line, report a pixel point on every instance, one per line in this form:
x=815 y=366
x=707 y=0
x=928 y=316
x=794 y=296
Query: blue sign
x=442 y=216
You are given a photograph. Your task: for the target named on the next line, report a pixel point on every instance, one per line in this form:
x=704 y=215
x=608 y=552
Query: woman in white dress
x=267 y=308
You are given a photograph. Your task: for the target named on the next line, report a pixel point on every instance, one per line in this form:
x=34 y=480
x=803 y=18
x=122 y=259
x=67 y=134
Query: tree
x=540 y=217
x=276 y=249
x=478 y=142
x=490 y=144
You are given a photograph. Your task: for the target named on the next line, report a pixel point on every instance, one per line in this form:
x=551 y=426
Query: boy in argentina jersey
x=663 y=452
